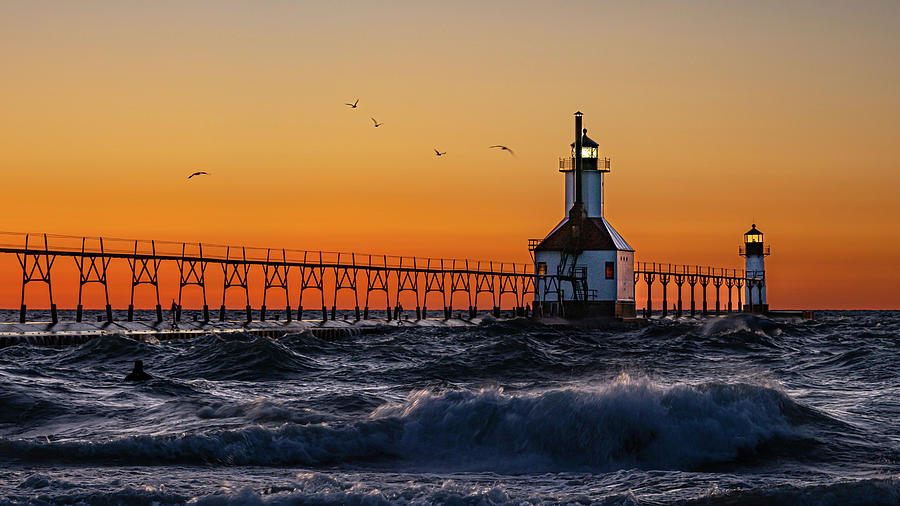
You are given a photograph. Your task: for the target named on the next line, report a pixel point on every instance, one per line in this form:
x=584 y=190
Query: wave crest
x=627 y=423
x=240 y=357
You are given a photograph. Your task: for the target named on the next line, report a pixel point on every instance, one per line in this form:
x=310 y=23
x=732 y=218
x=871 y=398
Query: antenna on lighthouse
x=578 y=206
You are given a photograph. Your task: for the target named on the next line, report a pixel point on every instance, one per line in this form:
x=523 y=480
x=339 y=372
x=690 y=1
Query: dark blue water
x=732 y=410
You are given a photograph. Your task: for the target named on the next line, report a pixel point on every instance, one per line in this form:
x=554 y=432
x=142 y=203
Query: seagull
x=438 y=153
x=503 y=148
x=199 y=173
x=377 y=124
x=353 y=105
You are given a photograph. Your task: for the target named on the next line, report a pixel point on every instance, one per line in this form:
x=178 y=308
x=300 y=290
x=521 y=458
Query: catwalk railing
x=327 y=273
x=664 y=273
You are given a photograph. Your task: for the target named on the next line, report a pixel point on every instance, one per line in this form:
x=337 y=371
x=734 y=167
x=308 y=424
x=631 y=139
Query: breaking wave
x=627 y=423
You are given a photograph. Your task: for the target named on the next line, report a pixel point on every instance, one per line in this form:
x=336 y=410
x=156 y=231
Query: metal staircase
x=577 y=276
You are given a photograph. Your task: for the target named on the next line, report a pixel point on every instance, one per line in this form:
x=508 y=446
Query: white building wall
x=625 y=275
x=551 y=259
x=755 y=266
x=592 y=192
x=595 y=262
x=570 y=191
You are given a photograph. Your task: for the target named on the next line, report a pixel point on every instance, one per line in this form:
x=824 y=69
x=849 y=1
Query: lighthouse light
x=587 y=152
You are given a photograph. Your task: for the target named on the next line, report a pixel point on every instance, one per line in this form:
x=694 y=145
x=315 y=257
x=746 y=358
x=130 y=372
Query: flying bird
x=377 y=124
x=439 y=153
x=353 y=105
x=503 y=148
x=199 y=173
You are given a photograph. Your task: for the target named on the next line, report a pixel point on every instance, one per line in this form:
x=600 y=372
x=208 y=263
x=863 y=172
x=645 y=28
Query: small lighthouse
x=584 y=268
x=755 y=251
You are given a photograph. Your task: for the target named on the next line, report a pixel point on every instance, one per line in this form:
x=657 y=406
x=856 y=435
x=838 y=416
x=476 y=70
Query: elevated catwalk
x=373 y=281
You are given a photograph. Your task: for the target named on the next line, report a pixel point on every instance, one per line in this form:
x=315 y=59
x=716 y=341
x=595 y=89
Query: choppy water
x=735 y=410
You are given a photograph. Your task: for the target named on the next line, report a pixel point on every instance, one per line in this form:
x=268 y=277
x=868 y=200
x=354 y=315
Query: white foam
x=626 y=423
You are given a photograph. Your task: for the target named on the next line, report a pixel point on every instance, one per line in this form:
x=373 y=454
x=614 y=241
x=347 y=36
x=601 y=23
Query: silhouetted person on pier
x=138 y=374
x=175 y=316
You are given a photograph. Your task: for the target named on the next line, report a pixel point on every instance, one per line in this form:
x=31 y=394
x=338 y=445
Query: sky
x=716 y=115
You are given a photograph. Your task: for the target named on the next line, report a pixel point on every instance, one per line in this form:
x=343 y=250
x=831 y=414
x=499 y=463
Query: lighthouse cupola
x=589 y=152
x=754 y=250
x=753 y=241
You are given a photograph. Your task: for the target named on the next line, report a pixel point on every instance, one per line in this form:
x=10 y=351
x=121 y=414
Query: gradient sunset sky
x=716 y=115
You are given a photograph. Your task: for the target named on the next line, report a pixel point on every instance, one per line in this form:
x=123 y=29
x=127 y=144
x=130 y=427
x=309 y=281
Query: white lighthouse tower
x=584 y=268
x=755 y=251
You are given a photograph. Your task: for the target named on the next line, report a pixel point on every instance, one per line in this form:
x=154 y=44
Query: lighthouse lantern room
x=583 y=267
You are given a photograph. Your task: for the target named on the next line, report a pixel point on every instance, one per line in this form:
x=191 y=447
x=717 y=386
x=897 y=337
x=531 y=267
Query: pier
x=374 y=282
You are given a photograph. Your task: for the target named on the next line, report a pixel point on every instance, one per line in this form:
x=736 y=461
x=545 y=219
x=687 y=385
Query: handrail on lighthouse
x=567 y=164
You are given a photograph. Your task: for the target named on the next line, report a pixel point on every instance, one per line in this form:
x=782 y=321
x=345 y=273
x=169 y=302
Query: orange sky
x=715 y=115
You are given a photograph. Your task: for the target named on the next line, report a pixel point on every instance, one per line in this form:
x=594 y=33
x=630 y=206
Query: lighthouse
x=583 y=267
x=755 y=251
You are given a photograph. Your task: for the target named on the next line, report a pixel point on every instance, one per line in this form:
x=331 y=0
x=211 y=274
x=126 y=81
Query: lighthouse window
x=586 y=152
x=610 y=270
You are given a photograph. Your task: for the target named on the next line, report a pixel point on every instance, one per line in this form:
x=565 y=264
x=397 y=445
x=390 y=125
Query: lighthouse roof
x=617 y=239
x=597 y=234
x=753 y=231
x=586 y=141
